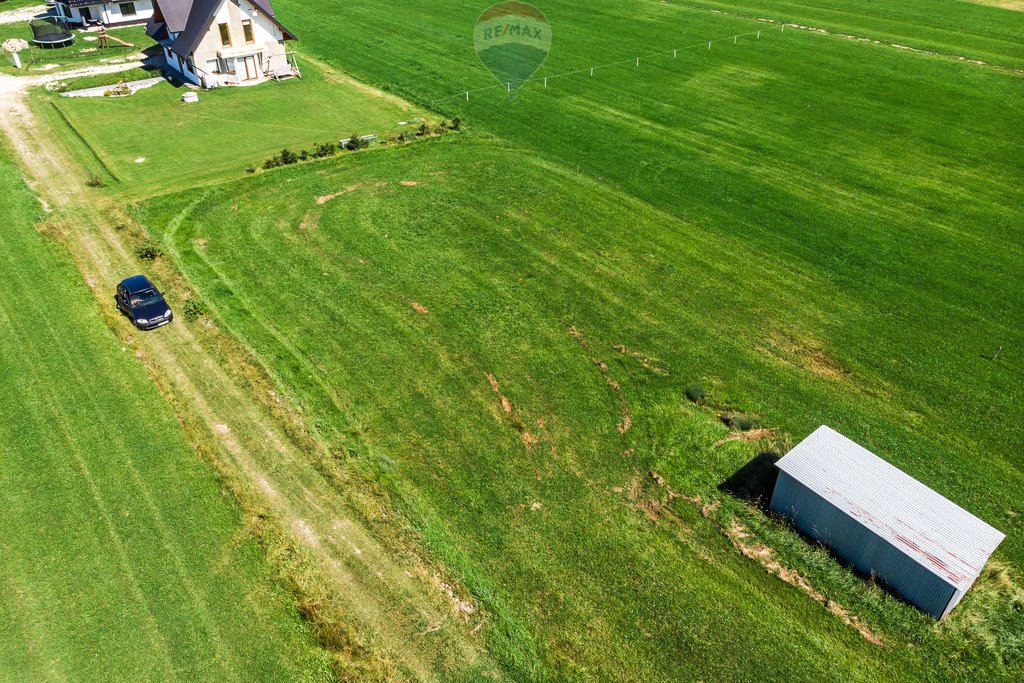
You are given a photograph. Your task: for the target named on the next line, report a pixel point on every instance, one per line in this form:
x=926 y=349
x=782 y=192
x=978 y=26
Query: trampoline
x=51 y=33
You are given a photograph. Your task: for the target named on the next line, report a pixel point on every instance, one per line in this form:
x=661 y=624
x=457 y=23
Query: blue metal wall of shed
x=860 y=547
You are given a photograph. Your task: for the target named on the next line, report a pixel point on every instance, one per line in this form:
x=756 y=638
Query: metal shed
x=882 y=521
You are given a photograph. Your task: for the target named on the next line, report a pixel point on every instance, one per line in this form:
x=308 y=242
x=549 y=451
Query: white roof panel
x=937 y=533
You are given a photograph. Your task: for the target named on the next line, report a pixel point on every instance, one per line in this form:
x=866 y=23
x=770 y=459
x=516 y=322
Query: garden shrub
x=740 y=421
x=147 y=251
x=695 y=392
x=327 y=149
x=195 y=309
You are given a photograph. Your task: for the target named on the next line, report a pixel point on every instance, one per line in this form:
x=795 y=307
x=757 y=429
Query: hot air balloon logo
x=512 y=39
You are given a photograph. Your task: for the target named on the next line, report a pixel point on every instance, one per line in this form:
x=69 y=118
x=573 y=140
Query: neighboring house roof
x=192 y=19
x=937 y=533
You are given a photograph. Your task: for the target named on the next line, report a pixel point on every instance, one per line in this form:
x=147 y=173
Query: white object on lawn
x=190 y=97
x=14 y=46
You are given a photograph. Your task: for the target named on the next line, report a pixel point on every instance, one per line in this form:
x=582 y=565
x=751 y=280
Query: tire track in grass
x=207 y=395
x=88 y=404
x=303 y=518
x=69 y=437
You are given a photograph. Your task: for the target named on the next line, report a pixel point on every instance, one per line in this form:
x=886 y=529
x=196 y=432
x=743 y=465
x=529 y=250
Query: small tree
x=147 y=251
x=327 y=149
x=288 y=156
x=195 y=309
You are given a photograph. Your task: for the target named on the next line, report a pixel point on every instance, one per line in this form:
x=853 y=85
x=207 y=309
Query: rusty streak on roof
x=929 y=528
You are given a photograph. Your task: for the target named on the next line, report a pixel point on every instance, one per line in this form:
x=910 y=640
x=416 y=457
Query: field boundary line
x=85 y=142
x=591 y=69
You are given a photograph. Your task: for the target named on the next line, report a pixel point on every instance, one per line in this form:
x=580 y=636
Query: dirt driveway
x=22 y=14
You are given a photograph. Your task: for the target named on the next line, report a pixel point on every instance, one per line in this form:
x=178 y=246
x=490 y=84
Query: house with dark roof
x=222 y=42
x=113 y=13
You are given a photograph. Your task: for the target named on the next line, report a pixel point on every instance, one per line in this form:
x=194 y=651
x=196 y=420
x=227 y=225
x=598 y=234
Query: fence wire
x=465 y=94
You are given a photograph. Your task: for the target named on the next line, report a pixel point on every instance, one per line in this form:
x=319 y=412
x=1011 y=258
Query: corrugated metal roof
x=934 y=531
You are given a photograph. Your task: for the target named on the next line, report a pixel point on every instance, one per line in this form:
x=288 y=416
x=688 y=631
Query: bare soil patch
x=323 y=199
x=802 y=350
x=625 y=414
x=649 y=362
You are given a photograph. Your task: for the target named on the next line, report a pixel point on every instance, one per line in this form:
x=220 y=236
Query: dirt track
x=22 y=14
x=289 y=487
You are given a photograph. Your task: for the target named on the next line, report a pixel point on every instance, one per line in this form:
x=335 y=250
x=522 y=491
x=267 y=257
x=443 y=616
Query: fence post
x=467 y=96
x=509 y=84
x=674 y=53
x=638 y=61
x=734 y=39
x=709 y=44
x=545 y=81
x=759 y=35
x=591 y=71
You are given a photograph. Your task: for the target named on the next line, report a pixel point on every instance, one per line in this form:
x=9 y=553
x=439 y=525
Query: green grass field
x=548 y=529
x=8 y=5
x=809 y=253
x=82 y=53
x=229 y=130
x=120 y=558
x=496 y=330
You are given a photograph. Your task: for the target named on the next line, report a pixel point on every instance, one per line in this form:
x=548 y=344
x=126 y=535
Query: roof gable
x=192 y=19
x=936 y=532
x=175 y=13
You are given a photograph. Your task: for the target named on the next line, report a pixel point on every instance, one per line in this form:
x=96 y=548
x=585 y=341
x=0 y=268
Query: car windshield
x=146 y=296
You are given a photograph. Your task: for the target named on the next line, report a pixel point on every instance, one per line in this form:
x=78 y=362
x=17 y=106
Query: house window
x=127 y=9
x=190 y=64
x=247 y=30
x=213 y=66
x=225 y=35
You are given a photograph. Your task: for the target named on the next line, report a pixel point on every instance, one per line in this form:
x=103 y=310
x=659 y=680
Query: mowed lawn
x=817 y=229
x=470 y=326
x=152 y=143
x=120 y=557
x=893 y=176
x=81 y=53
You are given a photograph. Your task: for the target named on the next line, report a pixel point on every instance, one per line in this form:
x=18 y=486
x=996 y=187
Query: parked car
x=142 y=302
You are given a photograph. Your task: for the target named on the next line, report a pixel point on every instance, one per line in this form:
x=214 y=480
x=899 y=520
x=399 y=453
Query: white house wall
x=267 y=38
x=109 y=13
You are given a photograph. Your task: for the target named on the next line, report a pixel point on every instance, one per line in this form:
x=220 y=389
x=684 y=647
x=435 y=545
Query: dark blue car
x=140 y=300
